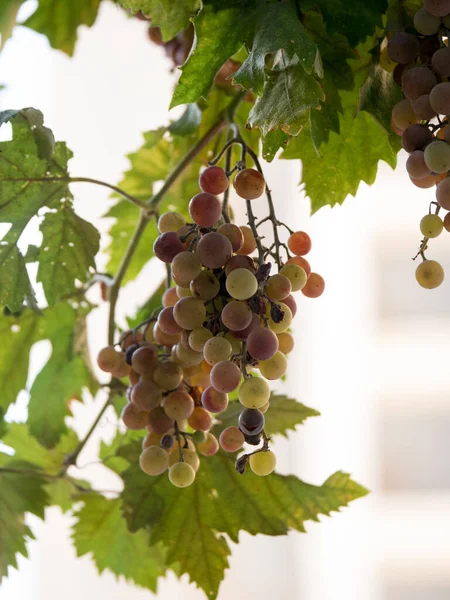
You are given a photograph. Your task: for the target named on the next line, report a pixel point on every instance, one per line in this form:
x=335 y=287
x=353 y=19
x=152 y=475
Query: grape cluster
x=225 y=317
x=420 y=62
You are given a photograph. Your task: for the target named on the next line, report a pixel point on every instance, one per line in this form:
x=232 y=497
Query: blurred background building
x=373 y=353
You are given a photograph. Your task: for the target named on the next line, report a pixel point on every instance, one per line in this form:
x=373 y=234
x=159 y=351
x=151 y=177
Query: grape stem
x=53 y=477
x=177 y=434
x=243 y=460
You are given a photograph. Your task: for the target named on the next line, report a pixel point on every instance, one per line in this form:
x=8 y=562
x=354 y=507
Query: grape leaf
x=8 y=14
x=189 y=522
x=377 y=97
x=63 y=377
x=338 y=75
x=19 y=494
x=272 y=142
x=61 y=492
x=101 y=530
x=110 y=453
x=345 y=160
x=188 y=122
x=356 y=20
x=71 y=244
x=171 y=16
x=33 y=175
x=59 y=21
x=18 y=335
x=278 y=28
x=284 y=414
x=151 y=163
x=289 y=93
x=218 y=35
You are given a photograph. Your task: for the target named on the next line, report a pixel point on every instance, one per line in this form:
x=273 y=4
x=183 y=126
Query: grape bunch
x=225 y=317
x=420 y=62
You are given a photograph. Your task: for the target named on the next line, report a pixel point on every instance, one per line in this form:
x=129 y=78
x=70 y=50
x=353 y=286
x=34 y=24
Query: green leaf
x=102 y=531
x=63 y=377
x=18 y=335
x=377 y=97
x=19 y=494
x=289 y=93
x=272 y=142
x=110 y=453
x=189 y=522
x=356 y=20
x=8 y=15
x=61 y=492
x=278 y=28
x=218 y=35
x=59 y=21
x=151 y=163
x=71 y=244
x=345 y=161
x=171 y=16
x=28 y=183
x=284 y=414
x=188 y=122
x=337 y=75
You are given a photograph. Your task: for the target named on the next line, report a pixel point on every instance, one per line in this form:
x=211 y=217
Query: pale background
x=372 y=354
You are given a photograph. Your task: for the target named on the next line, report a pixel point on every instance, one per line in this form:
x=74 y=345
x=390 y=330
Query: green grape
x=190 y=457
x=216 y=350
x=170 y=221
x=254 y=392
x=285 y=342
x=154 y=460
x=168 y=375
x=263 y=463
x=429 y=274
x=178 y=405
x=275 y=367
x=241 y=284
x=183 y=292
x=437 y=156
x=186 y=266
x=286 y=321
x=296 y=275
x=206 y=286
x=189 y=313
x=187 y=357
x=198 y=338
x=278 y=287
x=181 y=474
x=431 y=226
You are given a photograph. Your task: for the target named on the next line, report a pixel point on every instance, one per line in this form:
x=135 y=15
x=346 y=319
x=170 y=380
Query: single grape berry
x=253 y=440
x=263 y=463
x=251 y=421
x=181 y=474
x=431 y=226
x=205 y=209
x=429 y=274
x=249 y=184
x=213 y=180
x=403 y=47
